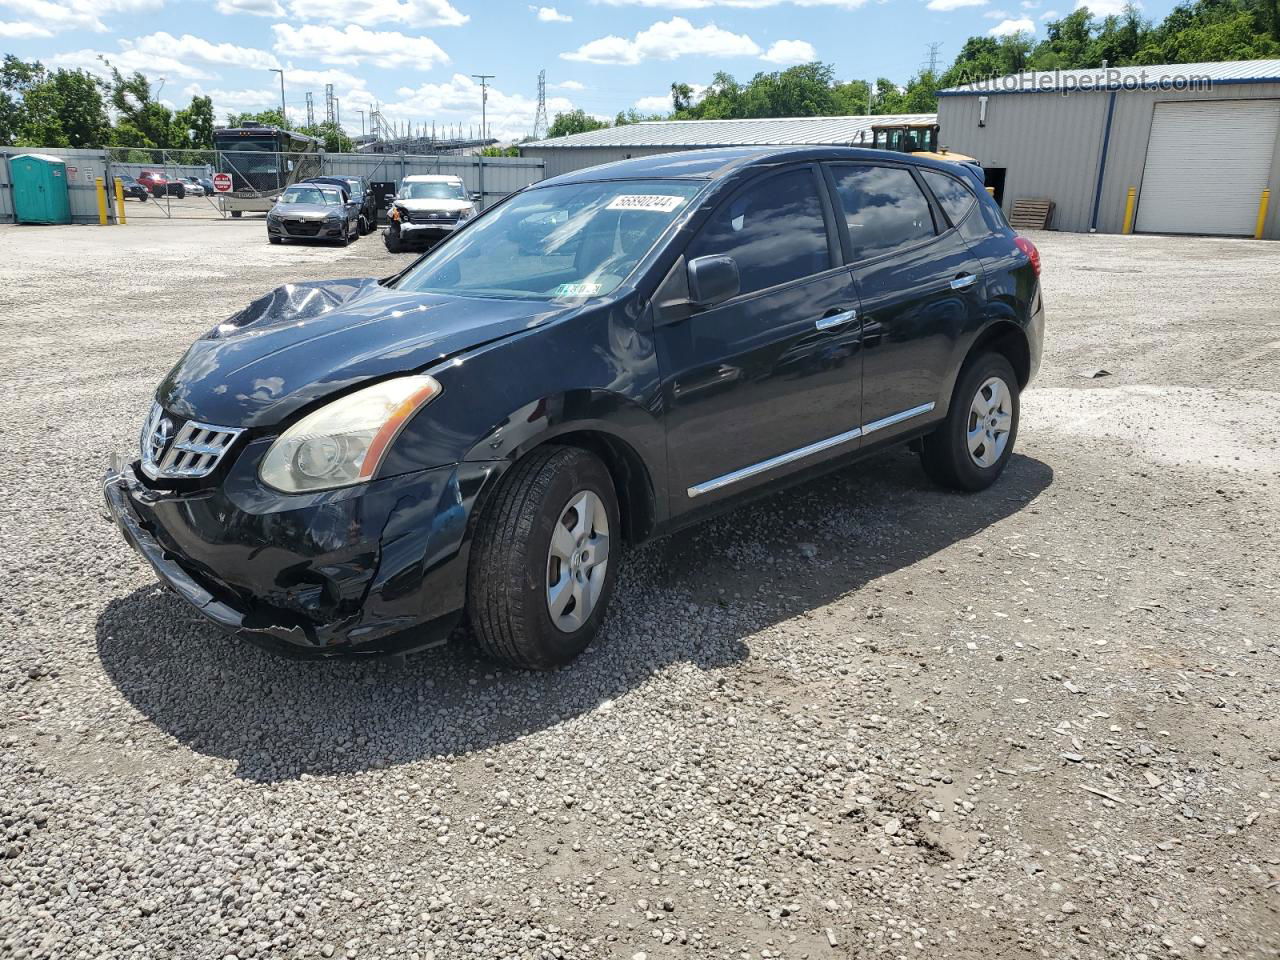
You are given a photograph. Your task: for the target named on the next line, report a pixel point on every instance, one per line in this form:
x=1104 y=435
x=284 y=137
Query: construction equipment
x=920 y=139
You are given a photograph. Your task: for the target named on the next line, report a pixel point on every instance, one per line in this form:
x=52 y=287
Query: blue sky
x=415 y=57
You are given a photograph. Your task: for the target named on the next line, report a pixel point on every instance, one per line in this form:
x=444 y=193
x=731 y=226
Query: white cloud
x=551 y=15
x=1007 y=27
x=187 y=48
x=409 y=13
x=997 y=14
x=23 y=30
x=657 y=104
x=787 y=52
x=318 y=78
x=666 y=40
x=510 y=116
x=128 y=61
x=354 y=44
x=259 y=8
x=74 y=14
x=1105 y=8
x=1030 y=4
x=568 y=85
x=740 y=4
x=1050 y=15
x=945 y=5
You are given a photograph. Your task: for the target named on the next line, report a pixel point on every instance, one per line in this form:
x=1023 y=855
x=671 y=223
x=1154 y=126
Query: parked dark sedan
x=356 y=465
x=361 y=195
x=131 y=188
x=313 y=211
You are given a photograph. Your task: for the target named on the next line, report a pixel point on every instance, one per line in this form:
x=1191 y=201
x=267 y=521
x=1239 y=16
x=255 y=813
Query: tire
x=509 y=589
x=181 y=193
x=946 y=453
x=363 y=225
x=236 y=214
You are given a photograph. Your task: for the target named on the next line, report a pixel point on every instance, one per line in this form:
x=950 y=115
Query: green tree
x=681 y=97
x=851 y=99
x=197 y=122
x=264 y=118
x=332 y=137
x=576 y=121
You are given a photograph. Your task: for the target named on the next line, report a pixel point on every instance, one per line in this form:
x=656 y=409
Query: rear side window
x=884 y=208
x=956 y=199
x=773 y=229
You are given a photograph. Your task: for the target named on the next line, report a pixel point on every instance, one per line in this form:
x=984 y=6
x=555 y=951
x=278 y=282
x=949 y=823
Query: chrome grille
x=192 y=452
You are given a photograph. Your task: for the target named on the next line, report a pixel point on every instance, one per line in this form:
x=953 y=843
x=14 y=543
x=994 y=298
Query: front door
x=770 y=380
x=920 y=287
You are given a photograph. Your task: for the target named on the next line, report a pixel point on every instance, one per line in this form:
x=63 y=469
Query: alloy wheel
x=577 y=561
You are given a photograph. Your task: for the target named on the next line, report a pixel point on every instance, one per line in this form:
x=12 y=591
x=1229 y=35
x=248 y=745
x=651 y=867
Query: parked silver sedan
x=313 y=211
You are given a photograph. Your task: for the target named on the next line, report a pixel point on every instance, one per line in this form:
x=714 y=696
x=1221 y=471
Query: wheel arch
x=1009 y=339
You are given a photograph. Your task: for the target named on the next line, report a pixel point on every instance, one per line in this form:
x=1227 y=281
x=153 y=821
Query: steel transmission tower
x=540 y=123
x=329 y=115
x=932 y=64
x=311 y=110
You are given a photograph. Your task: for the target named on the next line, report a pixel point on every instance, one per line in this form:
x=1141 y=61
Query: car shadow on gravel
x=694 y=598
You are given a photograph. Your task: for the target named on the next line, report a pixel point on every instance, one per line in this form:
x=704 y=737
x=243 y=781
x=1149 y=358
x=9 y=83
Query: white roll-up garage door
x=1207 y=165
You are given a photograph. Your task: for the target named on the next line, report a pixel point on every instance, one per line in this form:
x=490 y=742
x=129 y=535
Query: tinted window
x=773 y=229
x=884 y=208
x=954 y=196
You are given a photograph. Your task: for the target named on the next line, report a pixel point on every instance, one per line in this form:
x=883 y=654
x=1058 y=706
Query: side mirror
x=712 y=280
x=477 y=197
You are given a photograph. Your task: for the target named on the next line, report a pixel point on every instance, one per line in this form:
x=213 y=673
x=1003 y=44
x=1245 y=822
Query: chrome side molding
x=800 y=453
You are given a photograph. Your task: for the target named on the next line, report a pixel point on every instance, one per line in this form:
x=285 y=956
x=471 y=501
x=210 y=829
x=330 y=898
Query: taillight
x=1029 y=248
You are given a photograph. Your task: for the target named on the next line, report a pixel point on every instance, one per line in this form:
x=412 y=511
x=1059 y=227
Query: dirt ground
x=862 y=718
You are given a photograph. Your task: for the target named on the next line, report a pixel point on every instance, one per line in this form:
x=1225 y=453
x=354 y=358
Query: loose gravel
x=863 y=718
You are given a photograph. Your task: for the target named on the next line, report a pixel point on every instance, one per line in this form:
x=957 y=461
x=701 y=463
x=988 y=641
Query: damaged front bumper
x=378 y=568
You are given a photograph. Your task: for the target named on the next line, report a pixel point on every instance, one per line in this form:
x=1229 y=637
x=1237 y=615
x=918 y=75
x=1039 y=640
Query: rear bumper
x=375 y=570
x=1035 y=332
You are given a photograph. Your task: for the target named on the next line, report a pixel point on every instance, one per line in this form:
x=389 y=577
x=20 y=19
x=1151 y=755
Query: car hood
x=304 y=341
x=431 y=205
x=305 y=211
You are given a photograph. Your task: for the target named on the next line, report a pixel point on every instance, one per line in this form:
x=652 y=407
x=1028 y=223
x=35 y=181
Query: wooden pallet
x=1031 y=213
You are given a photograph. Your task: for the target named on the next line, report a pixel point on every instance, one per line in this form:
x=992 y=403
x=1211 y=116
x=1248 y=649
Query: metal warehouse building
x=1198 y=143
x=579 y=150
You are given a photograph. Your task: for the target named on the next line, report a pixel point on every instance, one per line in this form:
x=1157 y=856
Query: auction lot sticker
x=647 y=201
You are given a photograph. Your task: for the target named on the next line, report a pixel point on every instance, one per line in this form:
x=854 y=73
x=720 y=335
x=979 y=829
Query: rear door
x=920 y=287
x=769 y=380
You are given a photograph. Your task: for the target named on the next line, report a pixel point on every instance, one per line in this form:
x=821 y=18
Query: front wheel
x=541 y=571
x=970 y=448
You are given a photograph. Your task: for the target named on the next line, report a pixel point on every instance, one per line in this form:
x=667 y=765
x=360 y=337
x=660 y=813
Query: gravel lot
x=866 y=718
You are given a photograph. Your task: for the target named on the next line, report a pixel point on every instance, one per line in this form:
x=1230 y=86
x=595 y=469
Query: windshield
x=432 y=191
x=311 y=195
x=573 y=241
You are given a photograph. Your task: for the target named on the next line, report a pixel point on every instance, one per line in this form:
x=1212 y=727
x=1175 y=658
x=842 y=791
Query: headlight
x=344 y=442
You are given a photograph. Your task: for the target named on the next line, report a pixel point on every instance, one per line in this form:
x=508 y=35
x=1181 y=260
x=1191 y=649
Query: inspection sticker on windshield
x=645 y=201
x=577 y=290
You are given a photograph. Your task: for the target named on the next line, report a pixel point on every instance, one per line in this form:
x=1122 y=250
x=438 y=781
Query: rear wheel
x=364 y=225
x=541 y=573
x=970 y=448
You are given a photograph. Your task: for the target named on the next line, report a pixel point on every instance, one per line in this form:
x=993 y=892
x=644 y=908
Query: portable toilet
x=40 y=192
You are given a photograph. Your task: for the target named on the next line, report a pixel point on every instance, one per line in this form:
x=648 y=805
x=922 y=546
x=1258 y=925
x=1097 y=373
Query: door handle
x=836 y=320
x=964 y=281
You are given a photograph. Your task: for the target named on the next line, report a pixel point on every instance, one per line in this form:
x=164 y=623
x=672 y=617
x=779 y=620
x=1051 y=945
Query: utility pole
x=311 y=109
x=361 y=112
x=484 y=79
x=540 y=118
x=284 y=113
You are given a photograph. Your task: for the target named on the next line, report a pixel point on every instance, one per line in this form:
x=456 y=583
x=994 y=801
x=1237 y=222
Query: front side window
x=956 y=199
x=884 y=208
x=773 y=230
x=552 y=243
x=432 y=191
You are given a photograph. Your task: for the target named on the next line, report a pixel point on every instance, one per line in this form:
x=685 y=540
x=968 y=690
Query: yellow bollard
x=120 y=217
x=1262 y=214
x=1128 y=209
x=102 y=201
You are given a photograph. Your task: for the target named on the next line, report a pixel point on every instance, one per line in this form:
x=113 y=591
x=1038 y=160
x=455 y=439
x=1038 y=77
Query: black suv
x=358 y=188
x=598 y=359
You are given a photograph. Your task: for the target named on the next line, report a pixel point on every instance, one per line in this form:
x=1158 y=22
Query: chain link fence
x=184 y=184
